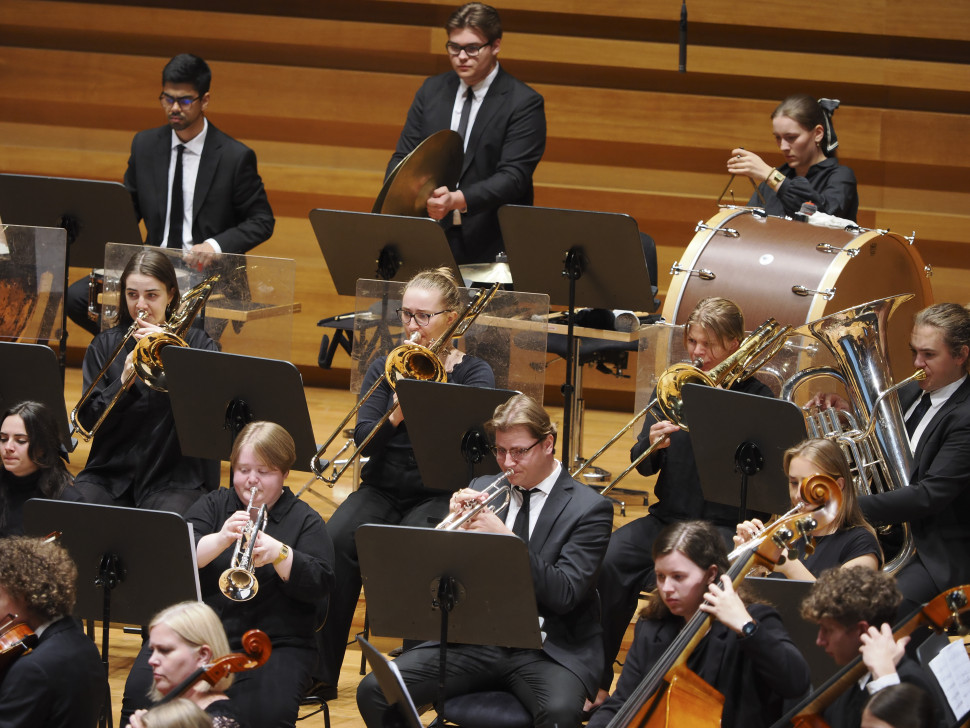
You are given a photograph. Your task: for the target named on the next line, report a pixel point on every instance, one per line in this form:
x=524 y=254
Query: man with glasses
x=567 y=528
x=503 y=125
x=196 y=188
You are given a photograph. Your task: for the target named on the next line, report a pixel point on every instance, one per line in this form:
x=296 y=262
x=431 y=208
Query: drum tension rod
x=728 y=232
x=834 y=250
x=703 y=273
x=828 y=294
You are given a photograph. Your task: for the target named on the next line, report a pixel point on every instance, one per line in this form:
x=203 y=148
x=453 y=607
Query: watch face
x=749 y=629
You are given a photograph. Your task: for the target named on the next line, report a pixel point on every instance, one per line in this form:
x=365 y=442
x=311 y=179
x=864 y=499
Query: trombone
x=146 y=360
x=668 y=403
x=238 y=582
x=410 y=360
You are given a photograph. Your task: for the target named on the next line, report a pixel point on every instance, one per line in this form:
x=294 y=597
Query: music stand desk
x=31 y=372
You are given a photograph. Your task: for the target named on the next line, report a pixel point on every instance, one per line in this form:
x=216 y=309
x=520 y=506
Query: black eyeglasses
x=516 y=453
x=423 y=319
x=471 y=50
x=183 y=101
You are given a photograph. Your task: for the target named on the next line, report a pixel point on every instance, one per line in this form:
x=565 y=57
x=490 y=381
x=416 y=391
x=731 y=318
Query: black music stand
x=92 y=212
x=120 y=574
x=458 y=586
x=445 y=424
x=214 y=395
x=753 y=445
x=594 y=258
x=401 y=713
x=30 y=372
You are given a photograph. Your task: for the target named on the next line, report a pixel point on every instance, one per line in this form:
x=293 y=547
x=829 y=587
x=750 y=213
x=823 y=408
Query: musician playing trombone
x=391 y=490
x=135 y=458
x=713 y=331
x=937 y=413
x=566 y=527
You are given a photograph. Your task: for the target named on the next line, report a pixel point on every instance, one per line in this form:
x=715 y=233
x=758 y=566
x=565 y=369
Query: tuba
x=147 y=359
x=873 y=436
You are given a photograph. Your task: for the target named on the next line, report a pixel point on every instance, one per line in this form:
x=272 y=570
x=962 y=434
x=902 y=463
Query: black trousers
x=367 y=504
x=551 y=693
x=175 y=500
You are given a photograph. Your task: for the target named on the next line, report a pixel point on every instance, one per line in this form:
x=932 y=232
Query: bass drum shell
x=758 y=269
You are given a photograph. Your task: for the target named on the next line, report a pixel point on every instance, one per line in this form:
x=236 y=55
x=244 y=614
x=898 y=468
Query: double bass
x=671 y=694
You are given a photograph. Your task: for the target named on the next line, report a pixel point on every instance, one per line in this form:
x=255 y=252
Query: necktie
x=921 y=409
x=521 y=526
x=466 y=111
x=178 y=207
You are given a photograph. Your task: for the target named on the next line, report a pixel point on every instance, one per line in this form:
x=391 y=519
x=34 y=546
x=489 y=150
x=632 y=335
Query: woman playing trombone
x=135 y=458
x=848 y=541
x=391 y=491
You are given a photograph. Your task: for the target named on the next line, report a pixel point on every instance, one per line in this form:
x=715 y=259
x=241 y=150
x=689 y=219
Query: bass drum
x=797 y=273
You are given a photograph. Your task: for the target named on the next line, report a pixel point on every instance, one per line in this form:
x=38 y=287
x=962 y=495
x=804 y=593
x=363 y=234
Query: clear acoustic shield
x=250 y=310
x=31 y=282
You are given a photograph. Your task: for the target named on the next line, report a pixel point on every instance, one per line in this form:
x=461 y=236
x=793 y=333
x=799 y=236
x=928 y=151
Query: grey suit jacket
x=504 y=147
x=230 y=203
x=937 y=502
x=566 y=548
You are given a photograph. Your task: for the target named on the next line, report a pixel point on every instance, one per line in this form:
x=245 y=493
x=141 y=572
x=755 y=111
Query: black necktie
x=921 y=409
x=178 y=207
x=521 y=526
x=466 y=111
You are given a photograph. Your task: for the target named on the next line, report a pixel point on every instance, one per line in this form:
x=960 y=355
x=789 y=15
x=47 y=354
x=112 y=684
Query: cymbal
x=486 y=273
x=434 y=163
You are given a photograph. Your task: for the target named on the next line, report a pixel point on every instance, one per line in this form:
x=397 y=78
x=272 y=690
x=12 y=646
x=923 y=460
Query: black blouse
x=830 y=185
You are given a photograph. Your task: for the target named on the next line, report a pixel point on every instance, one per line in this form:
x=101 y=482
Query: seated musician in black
x=811 y=173
x=899 y=706
x=713 y=331
x=747 y=656
x=854 y=609
x=847 y=541
x=61 y=683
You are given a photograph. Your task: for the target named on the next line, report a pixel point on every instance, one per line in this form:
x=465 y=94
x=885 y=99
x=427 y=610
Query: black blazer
x=230 y=203
x=937 y=502
x=504 y=146
x=566 y=548
x=60 y=684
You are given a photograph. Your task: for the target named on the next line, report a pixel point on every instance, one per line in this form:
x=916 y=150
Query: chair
x=319 y=700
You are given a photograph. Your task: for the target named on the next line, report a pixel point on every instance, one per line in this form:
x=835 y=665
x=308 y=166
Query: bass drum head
x=759 y=263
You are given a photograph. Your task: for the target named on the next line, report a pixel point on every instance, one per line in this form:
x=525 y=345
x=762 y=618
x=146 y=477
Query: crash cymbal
x=434 y=163
x=486 y=273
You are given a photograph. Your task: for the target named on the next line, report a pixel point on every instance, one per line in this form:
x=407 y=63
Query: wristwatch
x=775 y=179
x=749 y=628
x=284 y=552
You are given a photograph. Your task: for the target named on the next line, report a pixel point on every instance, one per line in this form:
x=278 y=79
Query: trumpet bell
x=238 y=584
x=147 y=359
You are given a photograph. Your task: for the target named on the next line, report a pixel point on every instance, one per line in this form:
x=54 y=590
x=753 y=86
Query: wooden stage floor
x=327 y=408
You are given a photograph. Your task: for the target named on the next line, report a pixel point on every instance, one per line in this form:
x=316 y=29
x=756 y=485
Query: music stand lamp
x=30 y=372
x=595 y=258
x=445 y=424
x=742 y=465
x=92 y=212
x=426 y=584
x=120 y=574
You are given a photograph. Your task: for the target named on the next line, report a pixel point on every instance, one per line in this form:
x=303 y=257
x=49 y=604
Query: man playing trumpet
x=567 y=527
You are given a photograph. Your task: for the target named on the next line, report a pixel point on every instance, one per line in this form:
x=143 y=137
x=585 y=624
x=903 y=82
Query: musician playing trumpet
x=293 y=560
x=848 y=541
x=937 y=413
x=566 y=526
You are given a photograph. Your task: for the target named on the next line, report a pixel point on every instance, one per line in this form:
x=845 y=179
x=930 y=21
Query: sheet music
x=951 y=667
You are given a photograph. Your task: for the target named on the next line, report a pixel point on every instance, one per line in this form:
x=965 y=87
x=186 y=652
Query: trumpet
x=472 y=507
x=238 y=582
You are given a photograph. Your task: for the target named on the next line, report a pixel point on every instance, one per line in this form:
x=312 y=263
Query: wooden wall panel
x=320 y=90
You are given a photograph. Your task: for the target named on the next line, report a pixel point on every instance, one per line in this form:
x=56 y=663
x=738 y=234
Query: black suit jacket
x=937 y=502
x=504 y=146
x=566 y=548
x=60 y=684
x=230 y=203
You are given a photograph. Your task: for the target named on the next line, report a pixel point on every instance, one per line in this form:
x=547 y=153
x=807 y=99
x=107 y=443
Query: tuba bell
x=872 y=436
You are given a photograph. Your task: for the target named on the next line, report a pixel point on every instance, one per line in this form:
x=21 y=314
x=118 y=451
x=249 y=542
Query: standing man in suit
x=503 y=125
x=937 y=502
x=220 y=205
x=61 y=683
x=567 y=527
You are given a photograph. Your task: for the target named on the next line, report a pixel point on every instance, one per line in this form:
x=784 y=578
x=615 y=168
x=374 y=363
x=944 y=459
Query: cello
x=257 y=649
x=942 y=614
x=671 y=694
